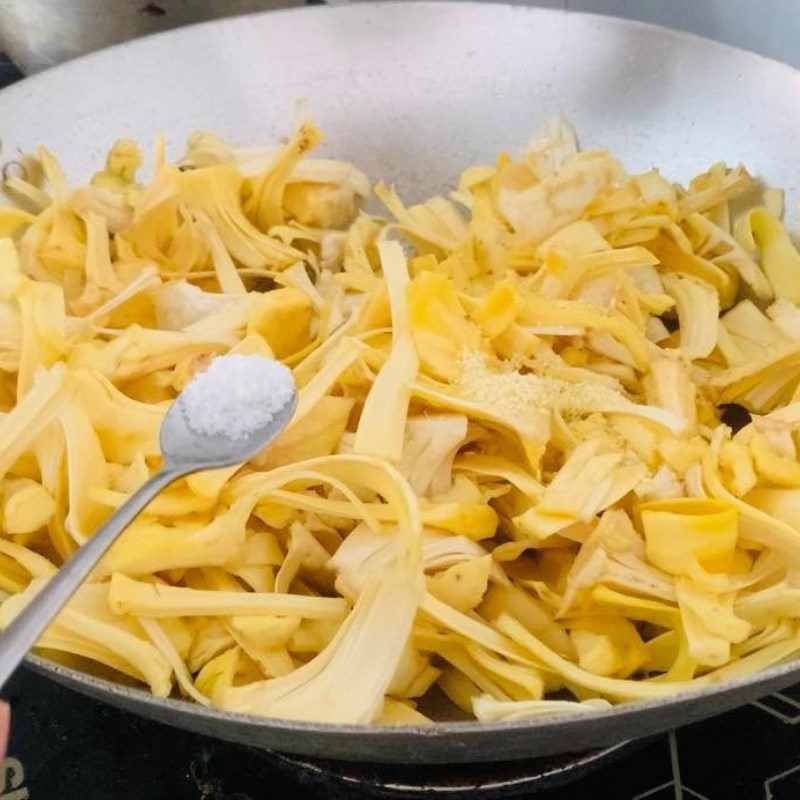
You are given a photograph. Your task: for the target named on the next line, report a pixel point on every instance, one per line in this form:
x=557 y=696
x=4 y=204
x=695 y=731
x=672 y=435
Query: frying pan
x=413 y=93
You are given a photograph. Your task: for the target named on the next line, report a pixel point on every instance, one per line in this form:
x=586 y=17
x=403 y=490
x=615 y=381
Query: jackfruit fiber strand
x=508 y=477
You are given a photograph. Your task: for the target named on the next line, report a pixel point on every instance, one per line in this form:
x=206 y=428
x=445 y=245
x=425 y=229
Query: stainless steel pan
x=413 y=93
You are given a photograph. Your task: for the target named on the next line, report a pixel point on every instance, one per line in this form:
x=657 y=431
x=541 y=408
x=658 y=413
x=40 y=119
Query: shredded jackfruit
x=508 y=475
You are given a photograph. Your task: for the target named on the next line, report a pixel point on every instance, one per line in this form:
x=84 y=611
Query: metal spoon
x=184 y=451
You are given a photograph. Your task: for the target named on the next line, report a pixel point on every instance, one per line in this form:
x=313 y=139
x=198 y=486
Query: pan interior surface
x=412 y=93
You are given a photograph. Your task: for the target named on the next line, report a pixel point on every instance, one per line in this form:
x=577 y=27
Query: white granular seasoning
x=236 y=396
x=517 y=395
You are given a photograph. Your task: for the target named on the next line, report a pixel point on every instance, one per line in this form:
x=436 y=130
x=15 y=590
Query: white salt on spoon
x=236 y=395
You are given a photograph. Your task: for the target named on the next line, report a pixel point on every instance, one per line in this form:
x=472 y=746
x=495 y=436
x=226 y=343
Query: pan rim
x=362 y=6
x=545 y=722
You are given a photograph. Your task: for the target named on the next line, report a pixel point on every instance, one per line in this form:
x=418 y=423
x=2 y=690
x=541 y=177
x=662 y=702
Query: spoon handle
x=26 y=628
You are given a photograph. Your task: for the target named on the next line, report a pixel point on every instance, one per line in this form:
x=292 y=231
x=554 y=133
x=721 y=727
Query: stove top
x=66 y=746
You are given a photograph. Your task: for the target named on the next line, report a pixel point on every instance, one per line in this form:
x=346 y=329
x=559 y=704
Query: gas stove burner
x=479 y=781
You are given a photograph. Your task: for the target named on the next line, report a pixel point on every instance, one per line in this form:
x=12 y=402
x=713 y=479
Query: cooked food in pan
x=545 y=453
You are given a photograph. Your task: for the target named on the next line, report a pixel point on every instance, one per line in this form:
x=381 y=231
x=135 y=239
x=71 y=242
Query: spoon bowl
x=183 y=447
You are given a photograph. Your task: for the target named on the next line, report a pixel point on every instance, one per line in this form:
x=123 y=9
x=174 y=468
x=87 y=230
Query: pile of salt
x=236 y=396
